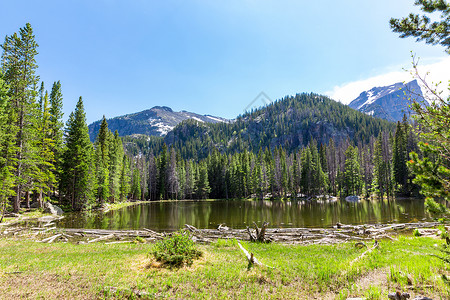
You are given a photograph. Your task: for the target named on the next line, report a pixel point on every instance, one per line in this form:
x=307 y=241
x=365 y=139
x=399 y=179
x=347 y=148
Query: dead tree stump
x=260 y=234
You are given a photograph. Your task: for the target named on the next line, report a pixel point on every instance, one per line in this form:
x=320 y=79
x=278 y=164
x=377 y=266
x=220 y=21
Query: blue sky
x=212 y=57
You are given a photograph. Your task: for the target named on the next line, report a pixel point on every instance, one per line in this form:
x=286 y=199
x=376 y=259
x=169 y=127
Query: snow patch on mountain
x=157 y=121
x=389 y=102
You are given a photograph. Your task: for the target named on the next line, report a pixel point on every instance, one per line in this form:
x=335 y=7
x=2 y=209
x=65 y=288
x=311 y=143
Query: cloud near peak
x=433 y=73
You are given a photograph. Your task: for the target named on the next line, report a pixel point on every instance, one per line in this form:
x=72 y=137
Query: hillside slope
x=291 y=122
x=157 y=121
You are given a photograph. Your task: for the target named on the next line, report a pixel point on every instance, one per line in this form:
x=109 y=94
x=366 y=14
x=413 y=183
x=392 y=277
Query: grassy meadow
x=126 y=271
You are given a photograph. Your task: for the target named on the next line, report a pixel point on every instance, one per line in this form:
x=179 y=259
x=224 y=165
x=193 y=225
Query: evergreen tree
x=7 y=147
x=78 y=179
x=306 y=172
x=56 y=127
x=181 y=171
x=116 y=154
x=136 y=184
x=102 y=147
x=433 y=170
x=352 y=175
x=202 y=189
x=152 y=178
x=332 y=167
x=382 y=167
x=190 y=179
x=400 y=155
x=421 y=27
x=19 y=65
x=172 y=176
x=319 y=178
x=124 y=188
x=295 y=176
x=162 y=167
x=45 y=170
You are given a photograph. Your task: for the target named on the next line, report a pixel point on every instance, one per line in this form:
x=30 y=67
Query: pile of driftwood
x=337 y=234
x=49 y=233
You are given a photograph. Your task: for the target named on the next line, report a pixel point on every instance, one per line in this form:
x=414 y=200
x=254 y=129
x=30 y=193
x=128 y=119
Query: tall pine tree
x=78 y=180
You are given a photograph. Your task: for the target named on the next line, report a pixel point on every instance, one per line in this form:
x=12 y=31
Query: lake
x=172 y=215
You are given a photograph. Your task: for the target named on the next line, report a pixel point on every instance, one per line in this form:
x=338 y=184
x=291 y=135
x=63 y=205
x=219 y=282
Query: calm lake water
x=167 y=216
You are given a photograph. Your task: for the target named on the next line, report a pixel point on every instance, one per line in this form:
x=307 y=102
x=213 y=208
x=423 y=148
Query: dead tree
x=260 y=234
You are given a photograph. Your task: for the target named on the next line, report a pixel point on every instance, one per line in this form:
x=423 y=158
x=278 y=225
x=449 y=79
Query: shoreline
x=339 y=233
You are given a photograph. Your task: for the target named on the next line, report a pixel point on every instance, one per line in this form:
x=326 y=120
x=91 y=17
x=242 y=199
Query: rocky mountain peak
x=389 y=102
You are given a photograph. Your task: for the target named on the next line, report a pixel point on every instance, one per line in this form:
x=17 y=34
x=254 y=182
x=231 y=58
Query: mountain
x=291 y=122
x=157 y=121
x=389 y=102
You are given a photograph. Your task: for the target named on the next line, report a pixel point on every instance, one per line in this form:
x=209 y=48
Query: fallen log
x=102 y=238
x=252 y=260
x=51 y=239
x=151 y=231
x=190 y=228
x=375 y=245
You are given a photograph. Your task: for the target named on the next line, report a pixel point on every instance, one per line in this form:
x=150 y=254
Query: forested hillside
x=291 y=123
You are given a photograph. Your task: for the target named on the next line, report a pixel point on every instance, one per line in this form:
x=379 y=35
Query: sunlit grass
x=25 y=215
x=322 y=271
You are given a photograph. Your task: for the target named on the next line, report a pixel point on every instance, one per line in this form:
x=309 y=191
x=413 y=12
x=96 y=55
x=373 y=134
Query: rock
x=398 y=296
x=53 y=209
x=34 y=205
x=352 y=198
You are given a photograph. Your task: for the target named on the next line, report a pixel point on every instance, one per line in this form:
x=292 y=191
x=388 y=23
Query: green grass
x=119 y=205
x=62 y=270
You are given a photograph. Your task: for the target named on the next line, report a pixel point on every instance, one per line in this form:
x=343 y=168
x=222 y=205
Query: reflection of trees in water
x=240 y=213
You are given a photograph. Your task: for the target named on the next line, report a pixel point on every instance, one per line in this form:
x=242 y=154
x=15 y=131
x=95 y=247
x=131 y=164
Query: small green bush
x=176 y=250
x=416 y=232
x=443 y=232
x=139 y=239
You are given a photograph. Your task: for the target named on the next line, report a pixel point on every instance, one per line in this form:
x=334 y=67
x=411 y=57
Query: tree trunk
x=16 y=205
x=27 y=199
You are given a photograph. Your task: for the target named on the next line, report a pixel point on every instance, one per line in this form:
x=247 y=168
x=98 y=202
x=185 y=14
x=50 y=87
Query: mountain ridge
x=389 y=102
x=156 y=121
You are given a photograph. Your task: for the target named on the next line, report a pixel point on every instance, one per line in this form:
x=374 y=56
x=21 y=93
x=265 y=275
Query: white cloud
x=437 y=72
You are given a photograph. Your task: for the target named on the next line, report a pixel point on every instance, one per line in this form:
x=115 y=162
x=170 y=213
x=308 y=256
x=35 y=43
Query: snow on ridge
x=197 y=119
x=215 y=119
x=378 y=92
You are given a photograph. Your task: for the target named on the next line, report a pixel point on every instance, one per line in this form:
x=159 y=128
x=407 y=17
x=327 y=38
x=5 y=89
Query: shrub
x=443 y=232
x=139 y=239
x=176 y=250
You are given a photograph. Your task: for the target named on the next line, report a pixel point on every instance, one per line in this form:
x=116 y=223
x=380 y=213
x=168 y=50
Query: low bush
x=176 y=250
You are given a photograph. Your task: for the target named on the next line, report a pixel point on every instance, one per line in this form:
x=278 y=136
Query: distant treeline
x=327 y=169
